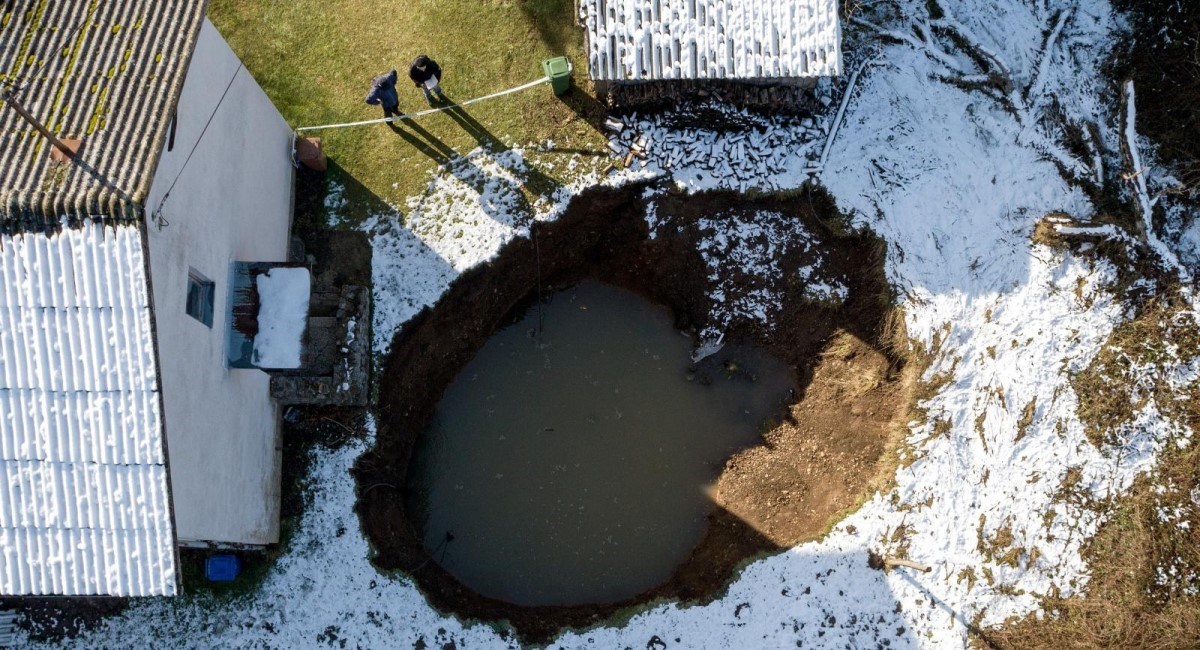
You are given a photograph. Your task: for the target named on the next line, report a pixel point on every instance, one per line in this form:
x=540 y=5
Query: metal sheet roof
x=651 y=40
x=84 y=502
x=106 y=72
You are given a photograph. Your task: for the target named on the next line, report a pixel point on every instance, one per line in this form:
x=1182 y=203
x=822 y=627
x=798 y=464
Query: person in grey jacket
x=383 y=91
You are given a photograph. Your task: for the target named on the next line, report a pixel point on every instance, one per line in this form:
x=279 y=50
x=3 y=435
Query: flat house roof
x=84 y=498
x=653 y=40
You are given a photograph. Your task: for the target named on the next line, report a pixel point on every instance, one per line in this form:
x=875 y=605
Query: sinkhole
x=548 y=456
x=569 y=461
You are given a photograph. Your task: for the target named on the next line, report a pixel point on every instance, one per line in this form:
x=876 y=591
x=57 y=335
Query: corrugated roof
x=84 y=502
x=650 y=40
x=104 y=71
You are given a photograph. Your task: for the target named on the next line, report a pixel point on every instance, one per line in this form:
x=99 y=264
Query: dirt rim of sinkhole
x=854 y=369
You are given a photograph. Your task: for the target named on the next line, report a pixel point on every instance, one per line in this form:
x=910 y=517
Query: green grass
x=315 y=60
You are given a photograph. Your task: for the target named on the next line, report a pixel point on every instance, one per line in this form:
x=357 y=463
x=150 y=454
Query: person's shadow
x=423 y=141
x=485 y=138
x=531 y=178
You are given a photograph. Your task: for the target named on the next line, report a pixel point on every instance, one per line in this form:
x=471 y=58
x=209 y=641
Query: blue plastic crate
x=222 y=568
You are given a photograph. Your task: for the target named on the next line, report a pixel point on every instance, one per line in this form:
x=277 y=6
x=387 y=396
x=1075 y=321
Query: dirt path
x=831 y=454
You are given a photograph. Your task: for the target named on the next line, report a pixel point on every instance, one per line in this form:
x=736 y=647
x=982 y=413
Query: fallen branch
x=1070 y=167
x=1140 y=189
x=1135 y=160
x=837 y=119
x=949 y=22
x=876 y=561
x=931 y=50
x=348 y=430
x=1105 y=230
x=893 y=562
x=925 y=31
x=1089 y=141
x=1034 y=90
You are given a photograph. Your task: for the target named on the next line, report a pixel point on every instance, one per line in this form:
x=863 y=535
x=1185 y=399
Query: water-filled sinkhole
x=568 y=461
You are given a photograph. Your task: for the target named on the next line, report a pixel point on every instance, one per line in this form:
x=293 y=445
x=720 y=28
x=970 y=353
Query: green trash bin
x=559 y=71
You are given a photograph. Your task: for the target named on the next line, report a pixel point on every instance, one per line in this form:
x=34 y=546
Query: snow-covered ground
x=955 y=181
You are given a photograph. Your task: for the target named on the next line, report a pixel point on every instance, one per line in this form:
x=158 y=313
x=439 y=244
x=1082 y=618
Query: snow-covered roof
x=637 y=40
x=108 y=73
x=84 y=505
x=282 y=316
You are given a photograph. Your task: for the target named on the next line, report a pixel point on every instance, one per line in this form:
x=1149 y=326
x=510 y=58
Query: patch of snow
x=741 y=251
x=335 y=204
x=652 y=219
x=282 y=316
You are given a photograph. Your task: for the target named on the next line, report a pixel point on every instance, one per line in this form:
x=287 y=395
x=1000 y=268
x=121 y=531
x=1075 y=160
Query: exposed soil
x=55 y=618
x=833 y=452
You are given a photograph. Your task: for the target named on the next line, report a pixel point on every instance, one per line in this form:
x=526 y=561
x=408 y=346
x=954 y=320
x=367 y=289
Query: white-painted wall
x=232 y=203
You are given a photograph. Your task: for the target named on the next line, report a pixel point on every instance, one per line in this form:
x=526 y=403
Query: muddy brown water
x=568 y=463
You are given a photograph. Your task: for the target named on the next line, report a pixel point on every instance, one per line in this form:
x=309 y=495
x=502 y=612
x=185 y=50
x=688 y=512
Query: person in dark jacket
x=427 y=75
x=383 y=91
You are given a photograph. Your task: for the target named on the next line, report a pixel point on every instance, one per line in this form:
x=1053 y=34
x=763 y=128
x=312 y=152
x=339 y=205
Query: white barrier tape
x=428 y=111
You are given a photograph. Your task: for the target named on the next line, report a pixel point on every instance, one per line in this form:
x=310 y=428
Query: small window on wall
x=200 y=293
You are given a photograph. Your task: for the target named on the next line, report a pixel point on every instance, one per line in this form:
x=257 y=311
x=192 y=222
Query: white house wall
x=231 y=203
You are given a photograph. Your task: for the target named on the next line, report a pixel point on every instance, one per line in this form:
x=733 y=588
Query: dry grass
x=1045 y=232
x=844 y=347
x=1026 y=420
x=1145 y=561
x=1127 y=373
x=894 y=337
x=1124 y=607
x=919 y=358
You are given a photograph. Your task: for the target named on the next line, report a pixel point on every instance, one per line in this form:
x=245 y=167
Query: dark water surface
x=570 y=466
